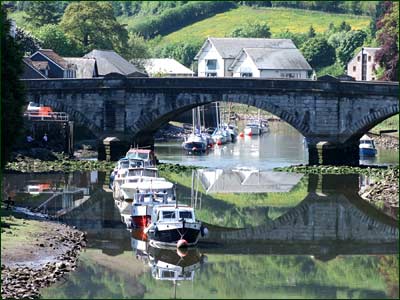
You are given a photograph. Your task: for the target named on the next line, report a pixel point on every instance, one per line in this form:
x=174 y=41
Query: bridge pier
x=328 y=153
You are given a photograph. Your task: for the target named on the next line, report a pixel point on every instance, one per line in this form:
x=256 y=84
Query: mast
x=217 y=114
x=193 y=115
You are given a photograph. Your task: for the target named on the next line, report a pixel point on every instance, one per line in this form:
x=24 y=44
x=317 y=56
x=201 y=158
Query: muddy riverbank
x=35 y=254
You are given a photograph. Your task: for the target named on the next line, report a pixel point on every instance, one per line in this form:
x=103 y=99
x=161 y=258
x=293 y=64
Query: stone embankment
x=40 y=261
x=386 y=141
x=384 y=193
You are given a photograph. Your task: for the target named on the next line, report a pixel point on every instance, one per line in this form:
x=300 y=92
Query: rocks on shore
x=387 y=142
x=23 y=282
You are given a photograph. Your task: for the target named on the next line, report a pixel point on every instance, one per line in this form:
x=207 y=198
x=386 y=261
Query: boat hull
x=194 y=147
x=141 y=215
x=170 y=237
x=367 y=152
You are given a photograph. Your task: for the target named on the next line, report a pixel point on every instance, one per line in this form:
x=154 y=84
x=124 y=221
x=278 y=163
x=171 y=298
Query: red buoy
x=219 y=143
x=241 y=134
x=181 y=243
x=250 y=134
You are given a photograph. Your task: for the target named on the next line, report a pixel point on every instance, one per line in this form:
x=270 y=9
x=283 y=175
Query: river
x=272 y=235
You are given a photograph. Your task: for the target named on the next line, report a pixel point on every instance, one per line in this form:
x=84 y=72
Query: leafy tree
x=93 y=25
x=351 y=42
x=182 y=52
x=388 y=37
x=52 y=37
x=344 y=26
x=39 y=13
x=137 y=50
x=12 y=91
x=252 y=30
x=336 y=39
x=379 y=11
x=297 y=38
x=311 y=32
x=318 y=52
x=27 y=43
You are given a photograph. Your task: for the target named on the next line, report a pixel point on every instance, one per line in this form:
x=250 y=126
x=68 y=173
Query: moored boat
x=367 y=146
x=173 y=225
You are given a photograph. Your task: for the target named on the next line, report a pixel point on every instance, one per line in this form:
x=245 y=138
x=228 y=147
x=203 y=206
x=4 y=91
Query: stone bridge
x=332 y=115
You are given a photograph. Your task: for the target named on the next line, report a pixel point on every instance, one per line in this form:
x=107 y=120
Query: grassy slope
x=295 y=20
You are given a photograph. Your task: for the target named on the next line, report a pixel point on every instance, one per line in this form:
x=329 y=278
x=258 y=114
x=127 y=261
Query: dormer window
x=211 y=64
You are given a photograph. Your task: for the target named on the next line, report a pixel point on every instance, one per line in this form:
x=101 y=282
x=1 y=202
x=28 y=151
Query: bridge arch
x=150 y=123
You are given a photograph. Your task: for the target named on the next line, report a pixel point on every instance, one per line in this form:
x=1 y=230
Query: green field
x=279 y=19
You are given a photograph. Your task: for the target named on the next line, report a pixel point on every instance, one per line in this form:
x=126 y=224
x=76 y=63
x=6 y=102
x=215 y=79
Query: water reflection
x=319 y=240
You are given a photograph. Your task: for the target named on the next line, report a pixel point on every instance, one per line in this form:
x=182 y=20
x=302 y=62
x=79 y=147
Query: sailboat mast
x=217 y=114
x=193 y=115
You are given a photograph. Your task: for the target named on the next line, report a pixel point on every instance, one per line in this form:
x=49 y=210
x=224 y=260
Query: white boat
x=367 y=146
x=252 y=128
x=145 y=155
x=195 y=142
x=173 y=225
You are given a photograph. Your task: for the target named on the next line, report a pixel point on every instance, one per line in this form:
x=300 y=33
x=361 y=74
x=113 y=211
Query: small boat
x=173 y=225
x=195 y=143
x=252 y=128
x=367 y=146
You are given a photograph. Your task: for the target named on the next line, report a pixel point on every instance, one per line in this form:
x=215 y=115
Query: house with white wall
x=251 y=57
x=363 y=65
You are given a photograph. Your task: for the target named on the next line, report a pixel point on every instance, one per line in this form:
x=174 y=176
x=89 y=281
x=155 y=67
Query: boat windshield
x=185 y=215
x=168 y=214
x=367 y=142
x=138 y=155
x=124 y=164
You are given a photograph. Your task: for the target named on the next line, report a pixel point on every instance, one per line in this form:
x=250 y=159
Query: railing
x=47 y=116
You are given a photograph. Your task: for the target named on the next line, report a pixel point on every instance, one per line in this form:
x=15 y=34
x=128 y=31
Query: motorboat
x=367 y=146
x=232 y=131
x=220 y=136
x=264 y=127
x=174 y=226
x=121 y=166
x=142 y=154
x=252 y=128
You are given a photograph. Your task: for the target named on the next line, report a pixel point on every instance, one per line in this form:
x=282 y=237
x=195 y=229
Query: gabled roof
x=50 y=54
x=275 y=59
x=230 y=47
x=29 y=63
x=165 y=66
x=85 y=67
x=108 y=61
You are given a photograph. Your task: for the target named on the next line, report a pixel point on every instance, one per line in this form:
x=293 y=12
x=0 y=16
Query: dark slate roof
x=54 y=57
x=85 y=67
x=230 y=47
x=108 y=61
x=276 y=59
x=29 y=63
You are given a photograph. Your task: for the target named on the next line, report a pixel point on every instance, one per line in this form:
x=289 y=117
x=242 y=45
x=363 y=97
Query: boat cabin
x=171 y=213
x=142 y=154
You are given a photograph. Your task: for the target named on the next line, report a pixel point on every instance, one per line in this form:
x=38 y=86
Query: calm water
x=283 y=146
x=272 y=235
x=255 y=248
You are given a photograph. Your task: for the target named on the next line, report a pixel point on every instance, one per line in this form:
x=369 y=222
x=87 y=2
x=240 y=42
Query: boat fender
x=203 y=231
x=181 y=243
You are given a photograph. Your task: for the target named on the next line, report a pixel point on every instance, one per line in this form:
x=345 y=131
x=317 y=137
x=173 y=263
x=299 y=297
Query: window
x=168 y=274
x=211 y=64
x=185 y=215
x=211 y=74
x=290 y=75
x=369 y=57
x=354 y=68
x=358 y=58
x=168 y=214
x=246 y=74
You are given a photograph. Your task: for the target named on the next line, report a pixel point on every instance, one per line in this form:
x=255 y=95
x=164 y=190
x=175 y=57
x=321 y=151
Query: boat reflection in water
x=166 y=264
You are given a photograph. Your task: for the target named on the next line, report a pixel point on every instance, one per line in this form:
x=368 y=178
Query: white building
x=251 y=57
x=166 y=67
x=363 y=65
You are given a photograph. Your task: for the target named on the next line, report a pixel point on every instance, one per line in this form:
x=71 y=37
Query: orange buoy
x=219 y=143
x=250 y=134
x=241 y=134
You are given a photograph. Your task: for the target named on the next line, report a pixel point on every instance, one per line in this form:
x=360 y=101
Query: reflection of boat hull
x=367 y=152
x=140 y=221
x=138 y=234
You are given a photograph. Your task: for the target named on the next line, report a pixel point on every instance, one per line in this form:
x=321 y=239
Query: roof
x=275 y=59
x=29 y=63
x=230 y=47
x=85 y=67
x=108 y=61
x=54 y=57
x=41 y=65
x=165 y=66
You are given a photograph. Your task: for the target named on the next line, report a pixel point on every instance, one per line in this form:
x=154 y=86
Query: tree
x=27 y=43
x=388 y=37
x=52 y=37
x=39 y=13
x=318 y=52
x=311 y=32
x=182 y=52
x=336 y=39
x=252 y=30
x=351 y=42
x=12 y=91
x=344 y=26
x=137 y=50
x=297 y=38
x=93 y=25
